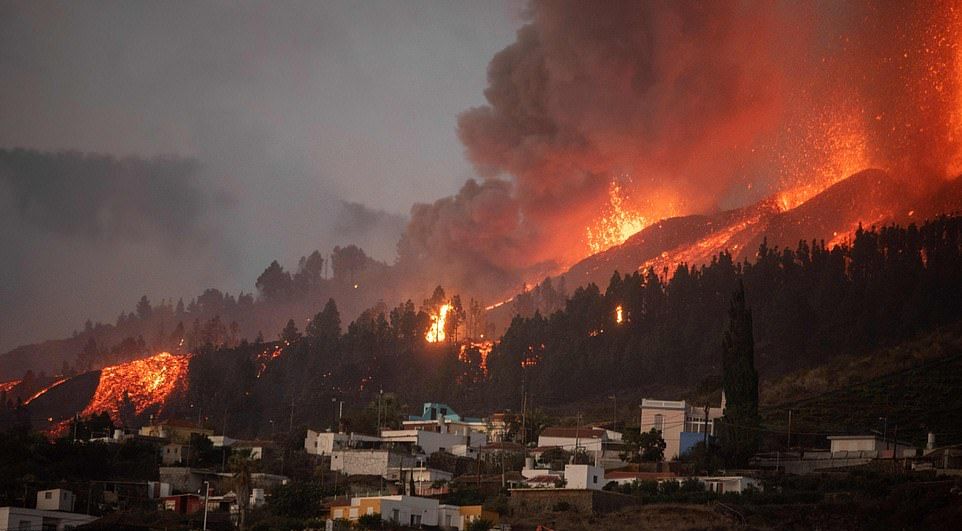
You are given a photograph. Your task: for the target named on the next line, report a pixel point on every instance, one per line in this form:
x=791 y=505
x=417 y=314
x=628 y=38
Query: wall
x=673 y=425
x=584 y=477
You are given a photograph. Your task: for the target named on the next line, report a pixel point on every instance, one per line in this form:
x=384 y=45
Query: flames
x=436 y=332
x=483 y=347
x=619 y=315
x=619 y=222
x=265 y=357
x=148 y=382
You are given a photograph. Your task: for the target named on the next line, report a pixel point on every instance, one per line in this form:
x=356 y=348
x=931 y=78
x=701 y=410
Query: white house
x=845 y=445
x=431 y=441
x=725 y=484
x=16 y=518
x=325 y=442
x=591 y=440
x=411 y=511
x=55 y=500
x=581 y=477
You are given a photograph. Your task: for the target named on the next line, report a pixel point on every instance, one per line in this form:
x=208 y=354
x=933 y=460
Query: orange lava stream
x=147 y=382
x=43 y=391
x=7 y=386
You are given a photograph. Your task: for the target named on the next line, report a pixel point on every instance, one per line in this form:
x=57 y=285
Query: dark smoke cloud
x=107 y=200
x=85 y=232
x=690 y=107
x=374 y=230
x=667 y=95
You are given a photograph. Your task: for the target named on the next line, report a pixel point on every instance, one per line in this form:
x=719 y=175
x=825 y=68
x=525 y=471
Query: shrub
x=370 y=521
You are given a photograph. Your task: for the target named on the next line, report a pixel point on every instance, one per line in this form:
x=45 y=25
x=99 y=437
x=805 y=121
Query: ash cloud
x=668 y=95
x=83 y=235
x=374 y=230
x=690 y=107
x=107 y=200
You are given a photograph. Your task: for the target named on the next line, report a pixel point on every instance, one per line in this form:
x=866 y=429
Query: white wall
x=584 y=477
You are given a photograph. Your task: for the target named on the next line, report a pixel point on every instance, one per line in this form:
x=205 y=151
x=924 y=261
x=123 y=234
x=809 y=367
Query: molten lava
x=43 y=391
x=618 y=224
x=147 y=382
x=436 y=333
x=5 y=387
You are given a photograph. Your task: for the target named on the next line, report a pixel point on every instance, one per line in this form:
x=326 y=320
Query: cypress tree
x=740 y=381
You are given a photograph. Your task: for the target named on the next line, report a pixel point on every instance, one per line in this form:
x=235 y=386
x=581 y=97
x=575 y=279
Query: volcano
x=870 y=198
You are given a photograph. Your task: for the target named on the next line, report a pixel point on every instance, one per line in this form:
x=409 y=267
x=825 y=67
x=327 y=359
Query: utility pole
x=524 y=404
x=577 y=436
x=705 y=438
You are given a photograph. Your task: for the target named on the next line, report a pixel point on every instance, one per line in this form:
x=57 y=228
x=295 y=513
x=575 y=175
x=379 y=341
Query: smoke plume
x=685 y=107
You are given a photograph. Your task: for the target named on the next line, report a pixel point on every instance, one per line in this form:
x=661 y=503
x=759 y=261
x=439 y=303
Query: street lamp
x=206 y=496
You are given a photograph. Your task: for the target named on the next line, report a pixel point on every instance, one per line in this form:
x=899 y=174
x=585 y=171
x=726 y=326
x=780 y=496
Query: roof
x=504 y=445
x=180 y=423
x=625 y=474
x=572 y=433
x=544 y=479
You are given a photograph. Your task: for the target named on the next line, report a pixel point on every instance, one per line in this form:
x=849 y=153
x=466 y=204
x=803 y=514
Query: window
x=594 y=479
x=395 y=515
x=47 y=495
x=659 y=422
x=415 y=519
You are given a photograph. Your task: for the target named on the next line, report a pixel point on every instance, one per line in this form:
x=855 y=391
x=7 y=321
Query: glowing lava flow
x=5 y=387
x=438 y=321
x=617 y=225
x=43 y=391
x=147 y=382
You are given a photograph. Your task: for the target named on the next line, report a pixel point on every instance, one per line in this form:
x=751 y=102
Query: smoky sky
x=171 y=147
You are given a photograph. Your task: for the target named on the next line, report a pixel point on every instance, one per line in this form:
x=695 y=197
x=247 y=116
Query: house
x=578 y=477
x=598 y=442
x=443 y=419
x=412 y=511
x=427 y=481
x=56 y=500
x=626 y=477
x=845 y=445
x=587 y=477
x=174 y=453
x=429 y=442
x=376 y=462
x=176 y=431
x=183 y=503
x=16 y=518
x=499 y=424
x=325 y=443
x=257 y=449
x=727 y=484
x=682 y=425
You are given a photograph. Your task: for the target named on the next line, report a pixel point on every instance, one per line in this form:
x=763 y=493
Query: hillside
x=909 y=389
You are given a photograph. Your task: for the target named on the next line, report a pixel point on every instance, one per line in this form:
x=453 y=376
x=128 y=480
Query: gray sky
x=285 y=112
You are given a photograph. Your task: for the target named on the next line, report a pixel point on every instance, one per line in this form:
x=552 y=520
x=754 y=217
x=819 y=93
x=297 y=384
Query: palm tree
x=240 y=465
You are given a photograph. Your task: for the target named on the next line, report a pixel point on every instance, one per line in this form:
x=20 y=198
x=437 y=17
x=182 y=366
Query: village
x=442 y=470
